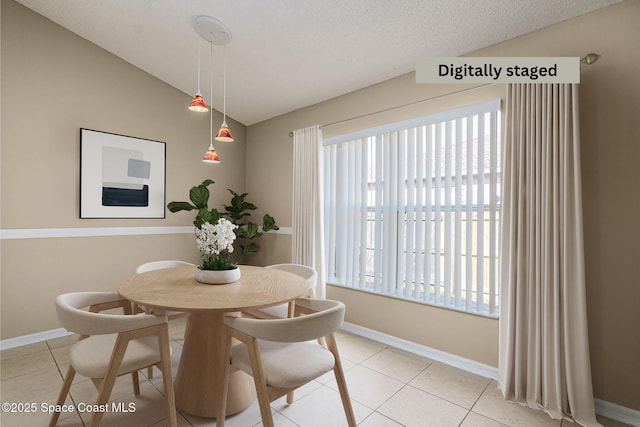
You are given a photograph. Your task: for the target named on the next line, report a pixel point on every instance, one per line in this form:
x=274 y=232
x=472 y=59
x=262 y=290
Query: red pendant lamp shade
x=198 y=104
x=224 y=134
x=211 y=156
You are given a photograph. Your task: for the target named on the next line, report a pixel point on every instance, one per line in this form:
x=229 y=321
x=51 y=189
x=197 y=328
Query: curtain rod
x=588 y=59
x=386 y=110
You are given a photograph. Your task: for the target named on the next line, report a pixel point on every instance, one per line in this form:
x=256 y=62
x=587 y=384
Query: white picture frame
x=121 y=176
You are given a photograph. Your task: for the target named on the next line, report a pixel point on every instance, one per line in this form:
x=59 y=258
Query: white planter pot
x=220 y=277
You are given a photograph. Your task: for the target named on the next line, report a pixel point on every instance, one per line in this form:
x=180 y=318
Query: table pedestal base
x=202 y=365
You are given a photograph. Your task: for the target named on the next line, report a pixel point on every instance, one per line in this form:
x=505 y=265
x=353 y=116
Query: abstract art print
x=121 y=176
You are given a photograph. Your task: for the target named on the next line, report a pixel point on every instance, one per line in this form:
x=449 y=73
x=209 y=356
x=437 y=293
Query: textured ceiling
x=288 y=54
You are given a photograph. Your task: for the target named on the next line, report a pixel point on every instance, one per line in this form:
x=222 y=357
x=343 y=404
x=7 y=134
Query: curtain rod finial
x=590 y=58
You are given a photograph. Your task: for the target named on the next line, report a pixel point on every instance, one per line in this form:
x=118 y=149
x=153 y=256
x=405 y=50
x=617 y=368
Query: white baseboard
x=424 y=351
x=33 y=338
x=602 y=407
x=617 y=412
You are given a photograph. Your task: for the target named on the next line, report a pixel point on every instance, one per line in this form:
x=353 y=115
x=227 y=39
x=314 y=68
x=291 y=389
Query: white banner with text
x=498 y=70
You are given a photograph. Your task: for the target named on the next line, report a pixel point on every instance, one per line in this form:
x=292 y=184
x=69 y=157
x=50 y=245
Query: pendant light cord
x=211 y=97
x=224 y=88
x=199 y=65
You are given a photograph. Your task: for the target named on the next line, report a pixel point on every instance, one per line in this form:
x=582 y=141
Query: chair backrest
x=73 y=318
x=306 y=272
x=158 y=265
x=327 y=317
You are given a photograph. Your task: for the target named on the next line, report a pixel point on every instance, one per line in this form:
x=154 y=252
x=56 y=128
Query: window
x=412 y=209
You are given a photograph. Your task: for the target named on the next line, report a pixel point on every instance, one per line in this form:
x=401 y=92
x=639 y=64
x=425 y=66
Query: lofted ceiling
x=289 y=54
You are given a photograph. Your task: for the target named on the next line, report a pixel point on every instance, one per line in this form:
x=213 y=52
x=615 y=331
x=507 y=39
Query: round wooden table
x=202 y=362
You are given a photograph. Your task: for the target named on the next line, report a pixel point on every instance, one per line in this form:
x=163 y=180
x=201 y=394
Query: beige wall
x=54 y=83
x=610 y=130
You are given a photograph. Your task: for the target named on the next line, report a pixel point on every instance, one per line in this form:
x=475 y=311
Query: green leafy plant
x=238 y=211
x=199 y=196
x=247 y=232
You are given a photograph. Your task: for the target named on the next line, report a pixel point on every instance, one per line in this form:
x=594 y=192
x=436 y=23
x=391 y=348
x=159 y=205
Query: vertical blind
x=411 y=208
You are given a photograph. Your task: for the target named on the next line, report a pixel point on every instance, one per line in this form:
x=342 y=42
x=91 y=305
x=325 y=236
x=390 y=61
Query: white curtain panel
x=544 y=350
x=307 y=240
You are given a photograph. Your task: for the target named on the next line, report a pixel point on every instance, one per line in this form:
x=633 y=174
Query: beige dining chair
x=283 y=310
x=271 y=350
x=112 y=345
x=159 y=265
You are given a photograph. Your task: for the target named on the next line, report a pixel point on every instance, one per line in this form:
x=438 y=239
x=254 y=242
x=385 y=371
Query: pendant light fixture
x=224 y=134
x=215 y=32
x=211 y=156
x=197 y=103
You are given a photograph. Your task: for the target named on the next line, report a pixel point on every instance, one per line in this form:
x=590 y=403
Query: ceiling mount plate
x=213 y=30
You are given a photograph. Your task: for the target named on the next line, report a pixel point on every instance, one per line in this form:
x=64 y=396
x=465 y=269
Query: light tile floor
x=388 y=388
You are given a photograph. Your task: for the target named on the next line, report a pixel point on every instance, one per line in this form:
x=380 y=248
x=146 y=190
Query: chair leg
x=167 y=375
x=290 y=398
x=148 y=311
x=66 y=385
x=340 y=379
x=110 y=376
x=261 y=387
x=265 y=406
x=291 y=313
x=136 y=383
x=291 y=309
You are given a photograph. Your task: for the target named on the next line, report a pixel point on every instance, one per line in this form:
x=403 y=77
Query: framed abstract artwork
x=121 y=176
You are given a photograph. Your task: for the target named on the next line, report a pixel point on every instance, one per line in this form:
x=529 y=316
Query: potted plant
x=237 y=212
x=215 y=243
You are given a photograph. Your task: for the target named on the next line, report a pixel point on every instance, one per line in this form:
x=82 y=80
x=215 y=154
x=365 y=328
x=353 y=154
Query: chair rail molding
x=56 y=233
